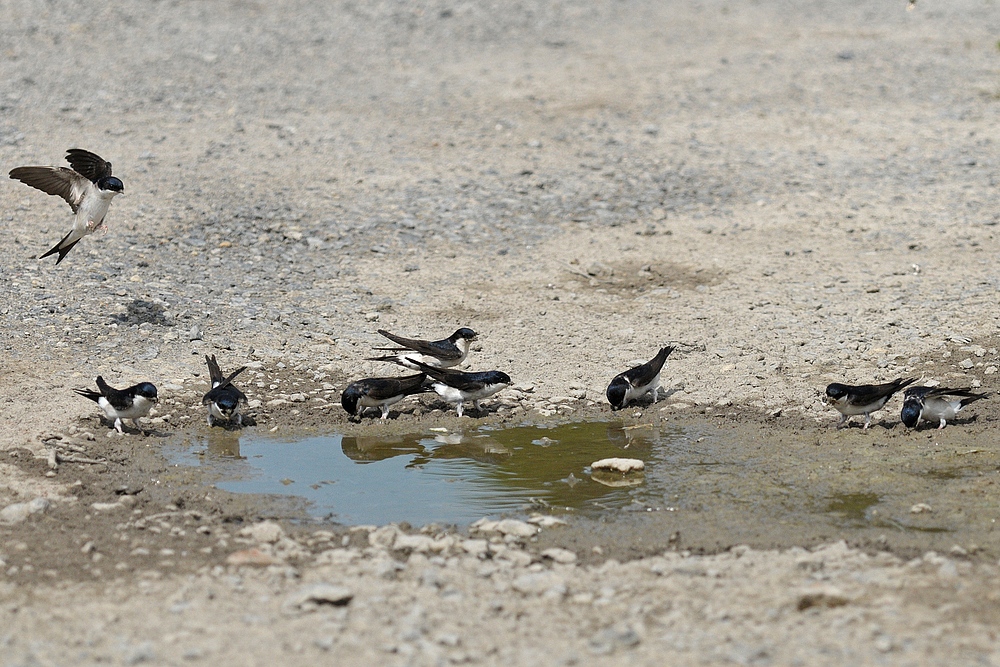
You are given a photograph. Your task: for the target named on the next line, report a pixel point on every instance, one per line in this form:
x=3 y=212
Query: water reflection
x=439 y=476
x=223 y=443
x=422 y=449
x=855 y=509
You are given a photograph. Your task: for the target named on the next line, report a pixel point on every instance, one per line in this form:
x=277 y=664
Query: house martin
x=119 y=404
x=862 y=399
x=380 y=393
x=445 y=353
x=935 y=404
x=223 y=399
x=88 y=188
x=635 y=382
x=458 y=386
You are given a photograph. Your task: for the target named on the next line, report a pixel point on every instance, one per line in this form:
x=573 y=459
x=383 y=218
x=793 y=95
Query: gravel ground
x=791 y=193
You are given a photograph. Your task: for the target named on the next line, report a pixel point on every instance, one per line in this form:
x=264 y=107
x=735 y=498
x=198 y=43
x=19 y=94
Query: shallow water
x=439 y=476
x=706 y=484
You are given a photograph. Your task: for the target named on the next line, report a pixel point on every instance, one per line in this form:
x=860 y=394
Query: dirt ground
x=790 y=193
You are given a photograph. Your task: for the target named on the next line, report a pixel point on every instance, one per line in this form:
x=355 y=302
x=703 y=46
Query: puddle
x=715 y=484
x=856 y=509
x=444 y=477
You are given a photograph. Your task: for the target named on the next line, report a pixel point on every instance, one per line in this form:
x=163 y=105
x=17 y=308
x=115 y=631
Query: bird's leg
x=843 y=421
x=868 y=420
x=239 y=419
x=460 y=409
x=210 y=423
x=118 y=425
x=656 y=389
x=385 y=412
x=93 y=226
x=944 y=422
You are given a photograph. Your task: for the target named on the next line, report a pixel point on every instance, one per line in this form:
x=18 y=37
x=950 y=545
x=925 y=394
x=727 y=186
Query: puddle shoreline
x=744 y=483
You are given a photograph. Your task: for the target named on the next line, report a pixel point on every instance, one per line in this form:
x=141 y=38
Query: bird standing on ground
x=380 y=393
x=458 y=386
x=635 y=382
x=118 y=404
x=935 y=404
x=862 y=399
x=223 y=399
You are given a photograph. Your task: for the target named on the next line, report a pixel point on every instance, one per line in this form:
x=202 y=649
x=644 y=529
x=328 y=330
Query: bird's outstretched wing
x=58 y=181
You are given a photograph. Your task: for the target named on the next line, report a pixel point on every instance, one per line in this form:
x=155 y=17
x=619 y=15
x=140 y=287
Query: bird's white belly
x=139 y=408
x=93 y=209
x=849 y=409
x=453 y=395
x=369 y=402
x=215 y=411
x=450 y=394
x=422 y=358
x=936 y=409
x=635 y=392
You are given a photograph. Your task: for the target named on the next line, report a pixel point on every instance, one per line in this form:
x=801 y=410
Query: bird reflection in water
x=367 y=449
x=637 y=437
x=423 y=449
x=224 y=443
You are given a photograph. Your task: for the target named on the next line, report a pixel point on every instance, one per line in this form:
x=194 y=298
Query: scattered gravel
x=791 y=194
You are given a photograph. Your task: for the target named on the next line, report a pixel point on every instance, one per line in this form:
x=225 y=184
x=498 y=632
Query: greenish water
x=451 y=477
x=696 y=473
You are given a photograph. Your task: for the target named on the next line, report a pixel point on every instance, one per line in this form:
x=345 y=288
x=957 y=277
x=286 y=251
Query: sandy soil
x=791 y=193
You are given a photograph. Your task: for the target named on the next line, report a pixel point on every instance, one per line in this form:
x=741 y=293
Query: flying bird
x=458 y=386
x=380 y=393
x=862 y=399
x=88 y=188
x=223 y=399
x=118 y=404
x=444 y=353
x=935 y=404
x=637 y=381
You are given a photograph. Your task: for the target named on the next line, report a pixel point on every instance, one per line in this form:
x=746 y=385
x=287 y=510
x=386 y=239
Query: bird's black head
x=837 y=391
x=466 y=333
x=147 y=390
x=499 y=377
x=227 y=403
x=349 y=399
x=616 y=394
x=111 y=183
x=910 y=413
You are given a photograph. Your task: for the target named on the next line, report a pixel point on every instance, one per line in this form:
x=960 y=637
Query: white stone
x=475 y=547
x=515 y=528
x=18 y=512
x=417 y=543
x=310 y=597
x=265 y=531
x=618 y=464
x=559 y=555
x=383 y=537
x=540 y=583
x=106 y=507
x=546 y=521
